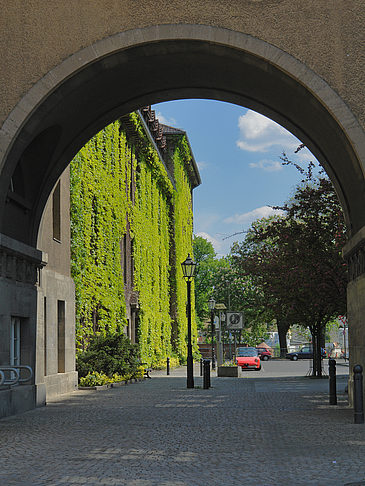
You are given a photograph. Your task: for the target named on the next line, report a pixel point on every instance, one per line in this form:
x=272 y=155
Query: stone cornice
x=20 y=262
x=354 y=254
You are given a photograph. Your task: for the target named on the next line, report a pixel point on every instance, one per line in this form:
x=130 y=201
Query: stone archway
x=119 y=74
x=122 y=72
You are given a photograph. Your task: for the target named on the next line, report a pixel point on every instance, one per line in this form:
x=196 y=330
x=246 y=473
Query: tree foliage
x=295 y=260
x=217 y=278
x=239 y=293
x=205 y=258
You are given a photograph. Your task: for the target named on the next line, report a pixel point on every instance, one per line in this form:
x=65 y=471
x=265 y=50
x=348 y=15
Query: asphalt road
x=279 y=375
x=274 y=368
x=286 y=368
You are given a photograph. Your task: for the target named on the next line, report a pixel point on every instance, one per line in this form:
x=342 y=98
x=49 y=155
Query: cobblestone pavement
x=260 y=431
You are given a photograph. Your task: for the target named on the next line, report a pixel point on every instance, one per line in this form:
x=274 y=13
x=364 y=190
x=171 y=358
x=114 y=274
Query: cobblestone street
x=261 y=431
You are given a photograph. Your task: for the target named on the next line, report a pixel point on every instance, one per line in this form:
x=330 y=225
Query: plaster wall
x=55 y=363
x=327 y=36
x=51 y=380
x=58 y=251
x=19 y=279
x=356 y=330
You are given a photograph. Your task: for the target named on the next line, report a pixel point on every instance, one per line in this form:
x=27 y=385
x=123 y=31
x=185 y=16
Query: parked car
x=248 y=358
x=264 y=353
x=305 y=353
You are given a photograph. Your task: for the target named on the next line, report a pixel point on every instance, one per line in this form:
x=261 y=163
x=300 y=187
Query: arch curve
x=121 y=73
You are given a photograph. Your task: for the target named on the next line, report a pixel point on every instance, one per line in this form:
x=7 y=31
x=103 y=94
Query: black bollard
x=358 y=400
x=206 y=374
x=201 y=366
x=168 y=366
x=332 y=381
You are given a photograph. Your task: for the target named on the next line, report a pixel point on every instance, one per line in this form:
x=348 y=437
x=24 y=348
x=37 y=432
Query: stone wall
x=20 y=269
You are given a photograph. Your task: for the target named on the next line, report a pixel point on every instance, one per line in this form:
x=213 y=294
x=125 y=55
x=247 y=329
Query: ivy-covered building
x=131 y=227
x=113 y=234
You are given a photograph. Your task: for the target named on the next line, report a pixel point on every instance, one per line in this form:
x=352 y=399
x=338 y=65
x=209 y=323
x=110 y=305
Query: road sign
x=234 y=320
x=220 y=307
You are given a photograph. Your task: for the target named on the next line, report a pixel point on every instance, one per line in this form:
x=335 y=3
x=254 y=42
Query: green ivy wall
x=160 y=217
x=183 y=230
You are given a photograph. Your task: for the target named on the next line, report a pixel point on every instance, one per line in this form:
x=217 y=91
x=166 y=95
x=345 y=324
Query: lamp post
x=211 y=305
x=188 y=269
x=344 y=326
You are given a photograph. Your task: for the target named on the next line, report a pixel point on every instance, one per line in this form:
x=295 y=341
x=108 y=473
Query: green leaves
x=103 y=177
x=295 y=260
x=99 y=205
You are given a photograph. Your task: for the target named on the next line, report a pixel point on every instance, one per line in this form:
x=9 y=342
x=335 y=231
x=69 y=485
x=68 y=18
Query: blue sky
x=237 y=152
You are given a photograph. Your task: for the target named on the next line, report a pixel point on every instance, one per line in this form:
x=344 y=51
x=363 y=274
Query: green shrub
x=94 y=379
x=162 y=363
x=109 y=355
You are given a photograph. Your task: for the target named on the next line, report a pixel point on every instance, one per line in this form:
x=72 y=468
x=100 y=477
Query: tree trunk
x=316 y=348
x=323 y=337
x=314 y=351
x=319 y=351
x=282 y=330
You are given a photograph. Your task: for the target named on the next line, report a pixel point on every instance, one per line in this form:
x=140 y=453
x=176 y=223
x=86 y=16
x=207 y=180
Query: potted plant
x=229 y=370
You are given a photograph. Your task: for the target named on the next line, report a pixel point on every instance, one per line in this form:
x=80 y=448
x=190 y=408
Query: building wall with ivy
x=121 y=189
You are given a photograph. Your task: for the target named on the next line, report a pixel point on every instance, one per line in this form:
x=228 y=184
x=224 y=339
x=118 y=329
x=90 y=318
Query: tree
x=296 y=261
x=215 y=277
x=204 y=256
x=239 y=293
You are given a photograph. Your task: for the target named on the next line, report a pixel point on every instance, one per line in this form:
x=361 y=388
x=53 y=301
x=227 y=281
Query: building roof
x=168 y=132
x=163 y=138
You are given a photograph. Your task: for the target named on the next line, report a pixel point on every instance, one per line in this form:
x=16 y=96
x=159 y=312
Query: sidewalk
x=260 y=431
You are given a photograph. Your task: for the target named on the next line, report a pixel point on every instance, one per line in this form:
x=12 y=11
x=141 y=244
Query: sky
x=238 y=155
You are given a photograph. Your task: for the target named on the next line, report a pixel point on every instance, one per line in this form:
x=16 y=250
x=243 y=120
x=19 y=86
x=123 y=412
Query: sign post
x=221 y=308
x=235 y=322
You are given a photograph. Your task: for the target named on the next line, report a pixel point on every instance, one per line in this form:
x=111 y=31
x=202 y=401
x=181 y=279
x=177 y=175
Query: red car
x=264 y=353
x=248 y=358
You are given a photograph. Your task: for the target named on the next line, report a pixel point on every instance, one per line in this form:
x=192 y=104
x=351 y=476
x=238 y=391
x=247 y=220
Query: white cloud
x=260 y=134
x=205 y=221
x=216 y=243
x=202 y=165
x=165 y=121
x=267 y=165
x=258 y=213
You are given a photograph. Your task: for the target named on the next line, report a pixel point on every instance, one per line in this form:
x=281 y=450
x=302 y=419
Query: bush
x=109 y=355
x=94 y=379
x=162 y=363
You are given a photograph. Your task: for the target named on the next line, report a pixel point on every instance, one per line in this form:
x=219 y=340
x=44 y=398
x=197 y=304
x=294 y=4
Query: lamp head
x=188 y=268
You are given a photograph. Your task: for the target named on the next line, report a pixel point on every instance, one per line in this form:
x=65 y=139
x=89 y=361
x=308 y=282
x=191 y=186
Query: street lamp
x=211 y=305
x=188 y=269
x=344 y=326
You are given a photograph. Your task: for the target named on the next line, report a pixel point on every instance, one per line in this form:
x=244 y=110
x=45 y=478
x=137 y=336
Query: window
x=45 y=334
x=56 y=212
x=61 y=318
x=125 y=259
x=15 y=341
